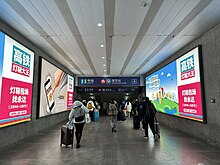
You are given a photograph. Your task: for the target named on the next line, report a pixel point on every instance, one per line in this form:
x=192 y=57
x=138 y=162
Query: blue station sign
x=108 y=81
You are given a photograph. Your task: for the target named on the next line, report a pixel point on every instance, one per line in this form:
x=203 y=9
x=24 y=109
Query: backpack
x=89 y=106
x=113 y=109
x=151 y=110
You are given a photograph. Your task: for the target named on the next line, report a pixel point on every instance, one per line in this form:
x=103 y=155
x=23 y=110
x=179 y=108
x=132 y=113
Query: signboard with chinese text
x=108 y=81
x=108 y=89
x=16 y=79
x=56 y=90
x=70 y=94
x=176 y=89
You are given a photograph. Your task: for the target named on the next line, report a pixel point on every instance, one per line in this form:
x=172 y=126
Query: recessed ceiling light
x=103 y=65
x=99 y=24
x=104 y=70
x=101 y=46
x=103 y=57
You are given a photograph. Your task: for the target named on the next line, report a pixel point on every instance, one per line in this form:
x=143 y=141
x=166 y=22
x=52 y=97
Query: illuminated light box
x=56 y=90
x=176 y=88
x=16 y=79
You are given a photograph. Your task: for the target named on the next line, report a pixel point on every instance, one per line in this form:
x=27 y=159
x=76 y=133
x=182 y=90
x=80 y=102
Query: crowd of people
x=144 y=109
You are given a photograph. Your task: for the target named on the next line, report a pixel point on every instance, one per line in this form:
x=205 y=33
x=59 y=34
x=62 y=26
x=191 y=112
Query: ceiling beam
x=67 y=15
x=109 y=10
x=195 y=11
x=152 y=12
x=31 y=21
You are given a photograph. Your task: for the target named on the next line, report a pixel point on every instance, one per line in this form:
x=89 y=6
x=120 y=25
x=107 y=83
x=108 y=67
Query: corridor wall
x=209 y=132
x=14 y=133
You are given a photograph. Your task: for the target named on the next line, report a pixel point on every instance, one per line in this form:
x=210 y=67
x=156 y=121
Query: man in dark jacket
x=148 y=112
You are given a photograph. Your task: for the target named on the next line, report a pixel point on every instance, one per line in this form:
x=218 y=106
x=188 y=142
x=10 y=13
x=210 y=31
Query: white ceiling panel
x=199 y=25
x=134 y=39
x=155 y=32
x=37 y=16
x=120 y=48
x=12 y=18
x=129 y=15
x=95 y=51
x=173 y=46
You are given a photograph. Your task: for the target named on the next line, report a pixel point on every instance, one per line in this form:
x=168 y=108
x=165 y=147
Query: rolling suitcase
x=96 y=116
x=156 y=127
x=136 y=122
x=119 y=116
x=66 y=136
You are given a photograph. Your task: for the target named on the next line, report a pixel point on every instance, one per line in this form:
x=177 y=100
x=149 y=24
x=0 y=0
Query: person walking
x=91 y=108
x=135 y=107
x=148 y=115
x=113 y=111
x=77 y=119
x=128 y=108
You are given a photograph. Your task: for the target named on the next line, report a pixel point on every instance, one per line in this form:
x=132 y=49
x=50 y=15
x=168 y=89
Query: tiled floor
x=102 y=147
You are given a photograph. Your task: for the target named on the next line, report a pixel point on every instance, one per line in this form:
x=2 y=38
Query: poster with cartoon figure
x=175 y=89
x=161 y=88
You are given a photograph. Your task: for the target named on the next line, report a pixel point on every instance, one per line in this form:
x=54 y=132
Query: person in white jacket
x=128 y=108
x=77 y=118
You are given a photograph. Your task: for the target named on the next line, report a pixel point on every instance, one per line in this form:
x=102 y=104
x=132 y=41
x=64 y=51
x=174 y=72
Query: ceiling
x=137 y=34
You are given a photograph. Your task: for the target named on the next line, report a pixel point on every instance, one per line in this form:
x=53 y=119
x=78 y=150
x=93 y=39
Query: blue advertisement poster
x=161 y=87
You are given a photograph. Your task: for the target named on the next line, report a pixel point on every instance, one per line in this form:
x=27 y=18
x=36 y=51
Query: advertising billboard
x=16 y=79
x=176 y=89
x=56 y=90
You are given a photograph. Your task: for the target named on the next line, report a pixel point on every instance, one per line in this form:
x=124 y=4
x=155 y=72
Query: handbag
x=80 y=118
x=88 y=119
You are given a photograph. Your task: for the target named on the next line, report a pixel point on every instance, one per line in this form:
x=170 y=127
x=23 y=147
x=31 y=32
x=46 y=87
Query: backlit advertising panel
x=56 y=90
x=176 y=89
x=16 y=79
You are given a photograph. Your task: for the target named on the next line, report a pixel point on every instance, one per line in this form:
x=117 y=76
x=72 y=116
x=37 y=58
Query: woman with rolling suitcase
x=78 y=119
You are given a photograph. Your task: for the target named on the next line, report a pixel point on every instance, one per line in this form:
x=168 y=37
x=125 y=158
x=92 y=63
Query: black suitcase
x=121 y=116
x=136 y=122
x=66 y=136
x=157 y=127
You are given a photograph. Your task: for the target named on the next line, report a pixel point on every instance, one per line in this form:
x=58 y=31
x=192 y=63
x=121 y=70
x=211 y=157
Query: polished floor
x=99 y=146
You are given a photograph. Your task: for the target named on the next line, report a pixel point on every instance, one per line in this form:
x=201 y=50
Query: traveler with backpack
x=148 y=112
x=77 y=119
x=113 y=111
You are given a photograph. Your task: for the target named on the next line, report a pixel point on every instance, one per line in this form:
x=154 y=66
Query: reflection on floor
x=100 y=146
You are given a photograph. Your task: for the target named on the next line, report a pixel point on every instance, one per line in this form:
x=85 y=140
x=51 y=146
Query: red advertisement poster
x=16 y=102
x=16 y=78
x=190 y=102
x=70 y=96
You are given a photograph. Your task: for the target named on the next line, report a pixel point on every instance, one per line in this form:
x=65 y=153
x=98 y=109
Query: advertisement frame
x=40 y=87
x=201 y=74
x=33 y=79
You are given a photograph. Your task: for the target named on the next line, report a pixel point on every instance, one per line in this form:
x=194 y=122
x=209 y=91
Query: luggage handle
x=155 y=118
